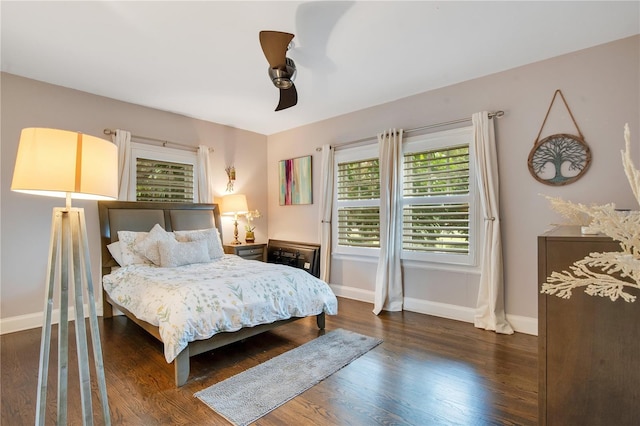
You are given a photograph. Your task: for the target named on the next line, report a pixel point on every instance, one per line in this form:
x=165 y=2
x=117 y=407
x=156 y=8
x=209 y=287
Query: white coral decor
x=604 y=274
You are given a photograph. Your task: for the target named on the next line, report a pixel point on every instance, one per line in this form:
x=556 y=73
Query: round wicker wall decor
x=561 y=158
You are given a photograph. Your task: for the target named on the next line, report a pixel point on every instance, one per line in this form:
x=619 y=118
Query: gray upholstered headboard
x=142 y=216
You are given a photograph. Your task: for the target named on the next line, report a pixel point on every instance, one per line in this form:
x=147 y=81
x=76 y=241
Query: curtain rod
x=497 y=114
x=163 y=142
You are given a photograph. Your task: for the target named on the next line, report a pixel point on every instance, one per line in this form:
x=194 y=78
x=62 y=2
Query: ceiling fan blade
x=274 y=45
x=288 y=98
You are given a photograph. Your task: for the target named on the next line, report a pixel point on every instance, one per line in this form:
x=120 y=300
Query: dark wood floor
x=428 y=371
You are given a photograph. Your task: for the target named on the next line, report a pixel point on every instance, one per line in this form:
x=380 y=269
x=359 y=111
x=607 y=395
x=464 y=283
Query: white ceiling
x=203 y=59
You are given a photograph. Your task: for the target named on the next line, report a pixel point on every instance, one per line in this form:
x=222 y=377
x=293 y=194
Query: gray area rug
x=247 y=396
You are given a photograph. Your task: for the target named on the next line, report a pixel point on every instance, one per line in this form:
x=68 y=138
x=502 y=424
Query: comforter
x=196 y=301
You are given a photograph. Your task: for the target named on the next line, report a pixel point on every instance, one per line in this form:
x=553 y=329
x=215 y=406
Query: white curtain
x=326 y=208
x=205 y=178
x=122 y=140
x=490 y=313
x=388 y=291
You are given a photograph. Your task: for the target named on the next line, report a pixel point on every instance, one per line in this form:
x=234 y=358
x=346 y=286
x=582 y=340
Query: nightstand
x=249 y=251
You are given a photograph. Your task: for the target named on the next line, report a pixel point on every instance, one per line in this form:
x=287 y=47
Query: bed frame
x=142 y=216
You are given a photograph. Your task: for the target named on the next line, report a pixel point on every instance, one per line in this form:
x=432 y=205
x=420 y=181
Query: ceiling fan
x=282 y=70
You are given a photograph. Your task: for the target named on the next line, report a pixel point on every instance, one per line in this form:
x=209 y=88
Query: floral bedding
x=196 y=301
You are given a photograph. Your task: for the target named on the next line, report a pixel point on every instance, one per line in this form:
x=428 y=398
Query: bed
x=173 y=279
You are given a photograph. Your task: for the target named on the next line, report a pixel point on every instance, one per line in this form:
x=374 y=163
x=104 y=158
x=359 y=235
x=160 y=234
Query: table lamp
x=66 y=164
x=234 y=205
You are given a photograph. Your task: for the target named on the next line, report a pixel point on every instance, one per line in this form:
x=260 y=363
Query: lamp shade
x=234 y=204
x=56 y=162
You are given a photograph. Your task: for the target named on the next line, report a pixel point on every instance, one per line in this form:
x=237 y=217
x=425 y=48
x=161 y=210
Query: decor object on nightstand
x=234 y=205
x=295 y=181
x=66 y=164
x=561 y=158
x=249 y=228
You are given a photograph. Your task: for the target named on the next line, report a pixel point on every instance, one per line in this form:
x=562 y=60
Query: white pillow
x=148 y=246
x=211 y=236
x=116 y=252
x=174 y=253
x=128 y=241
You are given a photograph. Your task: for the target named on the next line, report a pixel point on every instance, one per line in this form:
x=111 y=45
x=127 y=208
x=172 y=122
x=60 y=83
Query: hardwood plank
x=428 y=370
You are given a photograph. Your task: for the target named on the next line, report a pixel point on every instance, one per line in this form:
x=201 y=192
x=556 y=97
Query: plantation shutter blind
x=164 y=181
x=436 y=192
x=358 y=194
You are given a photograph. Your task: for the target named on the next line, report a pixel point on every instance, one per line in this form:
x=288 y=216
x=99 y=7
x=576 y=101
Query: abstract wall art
x=295 y=181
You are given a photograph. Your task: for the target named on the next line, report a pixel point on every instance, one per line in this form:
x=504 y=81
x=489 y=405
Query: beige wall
x=600 y=84
x=26 y=220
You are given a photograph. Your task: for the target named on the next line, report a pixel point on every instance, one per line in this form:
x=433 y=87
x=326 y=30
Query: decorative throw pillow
x=211 y=236
x=174 y=253
x=148 y=246
x=116 y=252
x=128 y=241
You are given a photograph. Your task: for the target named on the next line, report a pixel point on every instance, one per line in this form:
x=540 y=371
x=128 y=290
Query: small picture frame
x=295 y=181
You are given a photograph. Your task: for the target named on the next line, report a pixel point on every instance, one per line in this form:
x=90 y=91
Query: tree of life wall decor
x=561 y=158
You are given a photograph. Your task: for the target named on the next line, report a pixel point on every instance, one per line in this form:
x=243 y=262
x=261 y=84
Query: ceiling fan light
x=282 y=83
x=281 y=78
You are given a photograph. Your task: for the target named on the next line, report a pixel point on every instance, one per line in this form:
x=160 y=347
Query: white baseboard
x=35 y=320
x=526 y=325
x=519 y=323
x=443 y=310
x=352 y=293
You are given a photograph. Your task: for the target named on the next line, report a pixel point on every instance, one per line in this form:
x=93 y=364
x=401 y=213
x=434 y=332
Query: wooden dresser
x=588 y=346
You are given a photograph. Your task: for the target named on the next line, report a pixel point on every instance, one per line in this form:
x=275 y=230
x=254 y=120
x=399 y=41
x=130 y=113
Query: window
x=439 y=199
x=163 y=181
x=357 y=200
x=163 y=174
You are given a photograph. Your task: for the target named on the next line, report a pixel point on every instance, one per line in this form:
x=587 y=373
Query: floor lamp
x=234 y=205
x=67 y=164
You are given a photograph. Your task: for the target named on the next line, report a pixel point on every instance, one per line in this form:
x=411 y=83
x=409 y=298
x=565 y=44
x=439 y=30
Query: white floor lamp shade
x=61 y=163
x=58 y=163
